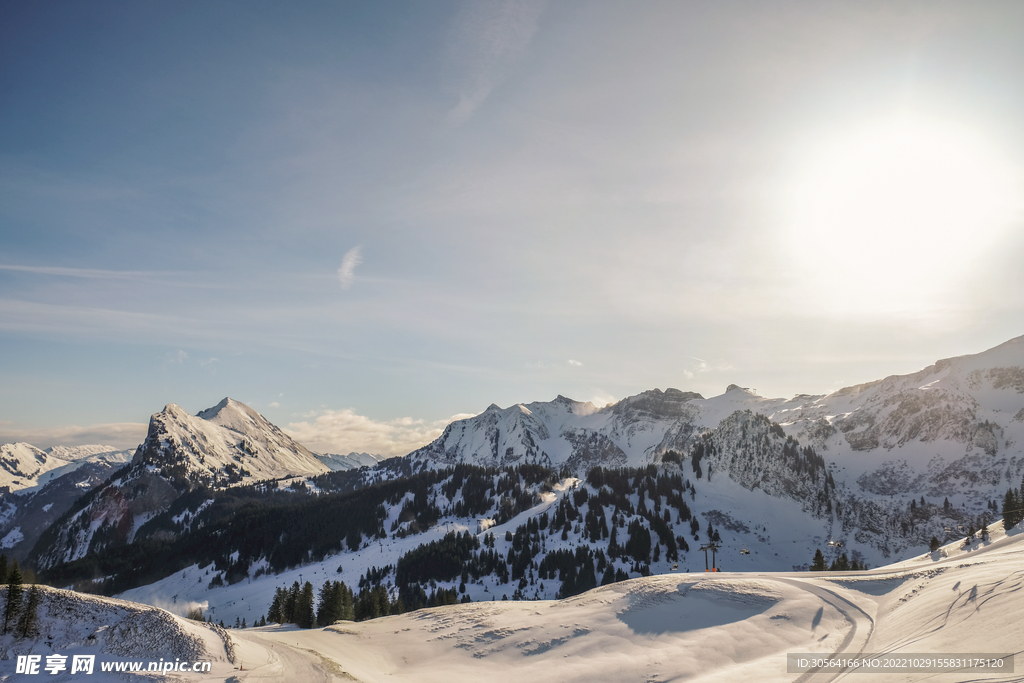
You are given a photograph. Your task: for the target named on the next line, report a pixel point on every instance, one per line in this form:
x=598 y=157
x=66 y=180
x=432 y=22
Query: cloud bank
x=343 y=431
x=123 y=435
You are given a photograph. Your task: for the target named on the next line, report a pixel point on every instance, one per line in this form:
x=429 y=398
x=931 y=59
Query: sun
x=890 y=214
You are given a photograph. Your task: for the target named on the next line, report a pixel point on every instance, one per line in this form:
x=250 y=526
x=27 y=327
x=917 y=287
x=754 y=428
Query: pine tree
x=290 y=602
x=3 y=569
x=935 y=544
x=28 y=623
x=348 y=611
x=818 y=564
x=841 y=564
x=305 y=617
x=1012 y=513
x=327 y=613
x=14 y=590
x=276 y=612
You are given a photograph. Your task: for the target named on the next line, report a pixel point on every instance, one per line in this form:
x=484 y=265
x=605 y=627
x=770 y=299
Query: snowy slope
x=113 y=631
x=704 y=627
x=677 y=626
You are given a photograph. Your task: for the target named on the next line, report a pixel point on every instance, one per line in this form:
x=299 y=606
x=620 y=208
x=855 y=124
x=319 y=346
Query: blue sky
x=364 y=219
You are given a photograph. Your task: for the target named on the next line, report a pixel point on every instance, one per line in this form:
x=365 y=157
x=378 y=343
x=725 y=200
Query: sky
x=365 y=220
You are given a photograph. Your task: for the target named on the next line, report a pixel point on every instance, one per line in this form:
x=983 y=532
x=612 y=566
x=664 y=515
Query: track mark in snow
x=848 y=609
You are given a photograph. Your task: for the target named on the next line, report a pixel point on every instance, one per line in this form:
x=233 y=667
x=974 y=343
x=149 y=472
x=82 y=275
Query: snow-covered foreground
x=726 y=626
x=674 y=627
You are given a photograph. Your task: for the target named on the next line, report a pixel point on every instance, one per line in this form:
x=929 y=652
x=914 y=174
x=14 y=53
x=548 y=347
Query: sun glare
x=893 y=214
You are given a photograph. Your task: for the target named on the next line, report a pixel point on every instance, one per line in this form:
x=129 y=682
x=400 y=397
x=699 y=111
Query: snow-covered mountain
x=950 y=436
x=226 y=445
x=352 y=461
x=23 y=466
x=59 y=476
x=564 y=432
x=953 y=429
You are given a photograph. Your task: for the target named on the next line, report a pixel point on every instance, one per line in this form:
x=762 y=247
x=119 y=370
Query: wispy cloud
x=165 y=278
x=346 y=273
x=80 y=272
x=489 y=37
x=174 y=358
x=575 y=363
x=702 y=366
x=343 y=431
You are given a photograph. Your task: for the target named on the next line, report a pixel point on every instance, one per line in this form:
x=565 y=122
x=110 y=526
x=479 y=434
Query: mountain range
x=874 y=470
x=953 y=429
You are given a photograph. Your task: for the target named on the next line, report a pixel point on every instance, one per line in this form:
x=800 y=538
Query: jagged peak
x=682 y=395
x=737 y=387
x=234 y=415
x=494 y=407
x=227 y=404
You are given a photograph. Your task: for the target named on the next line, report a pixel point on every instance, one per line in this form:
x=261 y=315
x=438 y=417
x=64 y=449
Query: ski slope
x=673 y=627
x=694 y=627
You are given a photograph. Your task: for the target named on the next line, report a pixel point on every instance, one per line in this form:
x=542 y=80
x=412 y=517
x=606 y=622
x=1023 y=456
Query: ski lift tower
x=712 y=547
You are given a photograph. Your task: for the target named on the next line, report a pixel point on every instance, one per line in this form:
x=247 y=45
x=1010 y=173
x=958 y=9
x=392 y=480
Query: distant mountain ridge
x=352 y=461
x=23 y=466
x=42 y=484
x=953 y=428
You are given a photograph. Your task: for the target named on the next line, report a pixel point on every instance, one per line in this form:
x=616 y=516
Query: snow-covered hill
x=71 y=624
x=678 y=626
x=675 y=626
